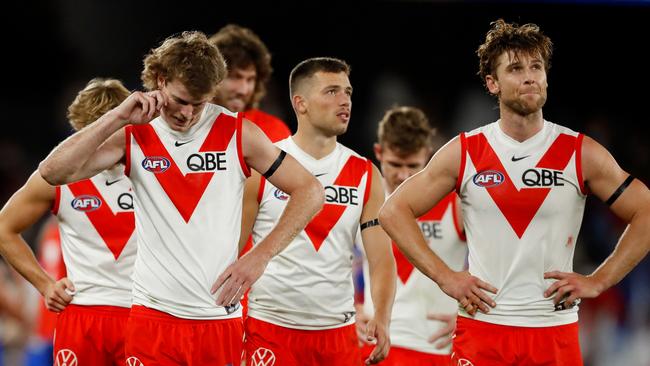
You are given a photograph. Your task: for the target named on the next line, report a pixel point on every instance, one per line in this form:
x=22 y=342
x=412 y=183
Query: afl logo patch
x=86 y=203
x=280 y=195
x=488 y=178
x=156 y=164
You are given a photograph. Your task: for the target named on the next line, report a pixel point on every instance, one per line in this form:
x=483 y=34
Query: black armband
x=370 y=223
x=619 y=190
x=275 y=165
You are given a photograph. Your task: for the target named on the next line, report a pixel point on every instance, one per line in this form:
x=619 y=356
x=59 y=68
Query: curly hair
x=242 y=48
x=406 y=130
x=505 y=37
x=98 y=97
x=189 y=58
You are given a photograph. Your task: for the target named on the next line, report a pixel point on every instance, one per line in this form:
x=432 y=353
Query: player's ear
x=492 y=83
x=378 y=151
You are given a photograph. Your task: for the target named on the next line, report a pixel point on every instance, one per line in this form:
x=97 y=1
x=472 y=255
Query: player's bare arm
x=306 y=199
x=250 y=207
x=381 y=265
x=23 y=210
x=416 y=196
x=100 y=145
x=629 y=199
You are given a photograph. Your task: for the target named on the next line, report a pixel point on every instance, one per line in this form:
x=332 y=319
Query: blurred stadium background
x=419 y=53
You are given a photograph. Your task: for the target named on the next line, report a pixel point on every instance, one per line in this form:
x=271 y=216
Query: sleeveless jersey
x=189 y=188
x=522 y=205
x=309 y=284
x=416 y=294
x=96 y=228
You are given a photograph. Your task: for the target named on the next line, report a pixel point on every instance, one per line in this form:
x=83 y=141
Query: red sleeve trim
x=454 y=206
x=240 y=154
x=57 y=200
x=463 y=155
x=581 y=182
x=260 y=191
x=127 y=145
x=366 y=194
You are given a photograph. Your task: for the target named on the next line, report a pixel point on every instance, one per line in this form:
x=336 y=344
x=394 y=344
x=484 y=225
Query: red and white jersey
x=189 y=188
x=309 y=284
x=96 y=228
x=522 y=205
x=274 y=128
x=416 y=294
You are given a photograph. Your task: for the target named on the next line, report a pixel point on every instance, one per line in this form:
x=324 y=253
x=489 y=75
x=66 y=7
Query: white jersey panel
x=97 y=231
x=189 y=189
x=309 y=284
x=417 y=295
x=522 y=205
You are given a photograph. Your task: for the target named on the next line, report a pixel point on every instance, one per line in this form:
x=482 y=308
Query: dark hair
x=504 y=37
x=189 y=58
x=309 y=67
x=406 y=130
x=242 y=48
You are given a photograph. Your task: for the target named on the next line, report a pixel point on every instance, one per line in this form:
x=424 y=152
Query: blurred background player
x=301 y=310
x=423 y=316
x=249 y=70
x=96 y=229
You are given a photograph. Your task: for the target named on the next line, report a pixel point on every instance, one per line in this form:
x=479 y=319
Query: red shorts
x=406 y=357
x=486 y=344
x=272 y=345
x=157 y=338
x=90 y=335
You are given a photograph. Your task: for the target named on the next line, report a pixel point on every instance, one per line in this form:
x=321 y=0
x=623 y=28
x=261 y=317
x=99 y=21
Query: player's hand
x=377 y=333
x=141 y=107
x=443 y=335
x=58 y=295
x=239 y=277
x=469 y=291
x=361 y=325
x=570 y=287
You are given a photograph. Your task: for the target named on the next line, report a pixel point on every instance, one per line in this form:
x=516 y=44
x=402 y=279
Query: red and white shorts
x=272 y=345
x=399 y=356
x=90 y=335
x=480 y=343
x=155 y=338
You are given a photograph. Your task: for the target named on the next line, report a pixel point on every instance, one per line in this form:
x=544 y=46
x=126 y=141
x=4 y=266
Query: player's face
x=235 y=92
x=520 y=82
x=182 y=110
x=396 y=168
x=329 y=102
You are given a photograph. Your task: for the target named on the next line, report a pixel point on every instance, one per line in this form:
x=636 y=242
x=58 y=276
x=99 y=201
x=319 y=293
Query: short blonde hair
x=406 y=130
x=98 y=97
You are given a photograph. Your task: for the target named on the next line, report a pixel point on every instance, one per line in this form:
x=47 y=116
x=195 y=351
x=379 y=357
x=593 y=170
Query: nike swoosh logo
x=113 y=182
x=517 y=159
x=177 y=143
x=318 y=175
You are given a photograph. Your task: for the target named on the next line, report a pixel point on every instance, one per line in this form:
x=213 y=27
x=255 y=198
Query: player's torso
x=309 y=285
x=188 y=214
x=96 y=225
x=522 y=206
x=417 y=295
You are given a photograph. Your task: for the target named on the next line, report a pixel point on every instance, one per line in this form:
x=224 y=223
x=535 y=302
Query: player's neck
x=314 y=143
x=519 y=127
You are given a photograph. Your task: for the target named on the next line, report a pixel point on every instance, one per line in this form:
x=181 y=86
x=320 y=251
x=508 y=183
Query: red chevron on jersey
x=114 y=228
x=519 y=206
x=404 y=267
x=172 y=180
x=321 y=225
